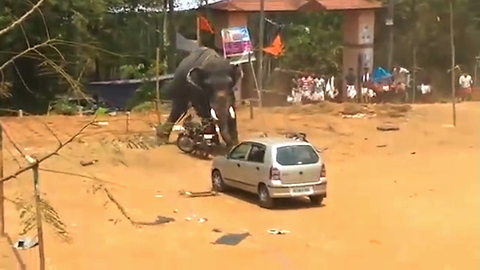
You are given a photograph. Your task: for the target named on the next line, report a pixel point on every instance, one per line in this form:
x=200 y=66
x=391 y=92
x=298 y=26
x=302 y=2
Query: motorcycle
x=297 y=136
x=198 y=138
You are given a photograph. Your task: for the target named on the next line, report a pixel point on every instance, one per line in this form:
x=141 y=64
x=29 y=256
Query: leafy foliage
x=28 y=217
x=146 y=94
x=64 y=107
x=313 y=42
x=426 y=22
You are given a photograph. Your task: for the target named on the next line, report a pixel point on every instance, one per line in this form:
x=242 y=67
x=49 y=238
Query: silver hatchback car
x=272 y=168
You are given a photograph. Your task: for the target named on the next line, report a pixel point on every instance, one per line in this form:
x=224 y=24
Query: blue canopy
x=380 y=74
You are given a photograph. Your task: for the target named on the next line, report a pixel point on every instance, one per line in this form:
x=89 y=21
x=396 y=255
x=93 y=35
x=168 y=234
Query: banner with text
x=237 y=45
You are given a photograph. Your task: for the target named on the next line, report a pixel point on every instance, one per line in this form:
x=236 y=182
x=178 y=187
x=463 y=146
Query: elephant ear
x=237 y=73
x=196 y=77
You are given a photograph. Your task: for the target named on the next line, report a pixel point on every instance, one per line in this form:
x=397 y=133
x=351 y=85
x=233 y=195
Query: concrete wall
x=225 y=20
x=358 y=37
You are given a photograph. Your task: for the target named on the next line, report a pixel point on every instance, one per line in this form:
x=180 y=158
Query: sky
x=182 y=6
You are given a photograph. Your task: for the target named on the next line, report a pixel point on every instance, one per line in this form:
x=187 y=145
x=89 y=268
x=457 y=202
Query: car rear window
x=296 y=155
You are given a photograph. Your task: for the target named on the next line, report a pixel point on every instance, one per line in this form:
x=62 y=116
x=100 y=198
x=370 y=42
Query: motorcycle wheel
x=185 y=143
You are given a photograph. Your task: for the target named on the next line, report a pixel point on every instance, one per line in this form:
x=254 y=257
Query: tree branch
x=78 y=175
x=36 y=162
x=34 y=48
x=21 y=19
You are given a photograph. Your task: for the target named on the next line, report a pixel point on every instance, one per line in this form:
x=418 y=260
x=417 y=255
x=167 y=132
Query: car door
x=233 y=171
x=255 y=168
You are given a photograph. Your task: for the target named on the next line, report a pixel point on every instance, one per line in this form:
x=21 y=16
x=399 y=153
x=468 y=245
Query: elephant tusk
x=213 y=114
x=232 y=112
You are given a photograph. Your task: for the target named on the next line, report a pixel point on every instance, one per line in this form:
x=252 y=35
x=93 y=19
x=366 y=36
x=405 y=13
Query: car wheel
x=218 y=184
x=316 y=200
x=264 y=199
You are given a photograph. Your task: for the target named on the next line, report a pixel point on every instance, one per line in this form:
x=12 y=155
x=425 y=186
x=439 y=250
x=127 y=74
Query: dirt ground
x=406 y=199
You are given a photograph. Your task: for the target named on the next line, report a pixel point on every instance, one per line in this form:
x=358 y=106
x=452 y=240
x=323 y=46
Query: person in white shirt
x=465 y=82
x=401 y=77
x=331 y=90
x=367 y=93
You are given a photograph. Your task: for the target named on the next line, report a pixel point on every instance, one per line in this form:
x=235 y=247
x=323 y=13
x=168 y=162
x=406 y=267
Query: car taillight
x=274 y=173
x=323 y=172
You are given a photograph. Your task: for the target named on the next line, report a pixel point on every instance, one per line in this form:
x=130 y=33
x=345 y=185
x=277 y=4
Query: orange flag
x=203 y=24
x=276 y=47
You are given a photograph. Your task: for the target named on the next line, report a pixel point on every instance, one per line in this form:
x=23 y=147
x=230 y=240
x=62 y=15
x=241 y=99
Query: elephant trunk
x=223 y=112
x=225 y=133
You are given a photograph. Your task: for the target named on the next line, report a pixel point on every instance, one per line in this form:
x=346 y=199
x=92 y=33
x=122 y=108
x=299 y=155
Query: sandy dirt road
x=407 y=199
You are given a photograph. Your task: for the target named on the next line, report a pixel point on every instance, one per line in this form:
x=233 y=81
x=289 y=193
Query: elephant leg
x=179 y=107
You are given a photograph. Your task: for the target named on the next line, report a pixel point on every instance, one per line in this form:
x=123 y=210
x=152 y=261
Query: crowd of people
x=312 y=87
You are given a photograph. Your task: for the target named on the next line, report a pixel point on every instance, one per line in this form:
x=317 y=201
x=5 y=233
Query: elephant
x=205 y=80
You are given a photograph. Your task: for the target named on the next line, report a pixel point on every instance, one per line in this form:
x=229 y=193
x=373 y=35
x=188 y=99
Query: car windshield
x=296 y=155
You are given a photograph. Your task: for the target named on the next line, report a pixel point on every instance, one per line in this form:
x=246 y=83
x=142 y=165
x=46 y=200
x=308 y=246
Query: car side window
x=257 y=153
x=240 y=152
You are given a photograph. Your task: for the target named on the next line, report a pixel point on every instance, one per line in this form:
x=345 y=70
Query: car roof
x=276 y=141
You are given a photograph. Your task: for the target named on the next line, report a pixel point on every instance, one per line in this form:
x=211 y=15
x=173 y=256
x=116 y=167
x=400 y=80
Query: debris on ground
x=115 y=221
x=192 y=194
x=388 y=127
x=216 y=230
x=352 y=109
x=381 y=145
x=358 y=115
x=25 y=242
x=199 y=220
x=99 y=124
x=88 y=163
x=393 y=110
x=231 y=239
x=277 y=231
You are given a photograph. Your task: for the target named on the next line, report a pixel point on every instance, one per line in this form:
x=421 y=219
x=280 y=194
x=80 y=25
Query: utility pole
x=2 y=200
x=414 y=49
x=260 y=52
x=389 y=23
x=475 y=76
x=199 y=32
x=157 y=87
x=172 y=34
x=452 y=45
x=165 y=42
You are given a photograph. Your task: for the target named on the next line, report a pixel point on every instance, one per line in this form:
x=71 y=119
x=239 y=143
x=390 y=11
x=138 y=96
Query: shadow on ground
x=280 y=204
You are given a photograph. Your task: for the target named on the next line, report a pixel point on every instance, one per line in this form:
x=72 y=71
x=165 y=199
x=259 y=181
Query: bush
x=146 y=93
x=101 y=111
x=144 y=107
x=63 y=107
x=353 y=108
